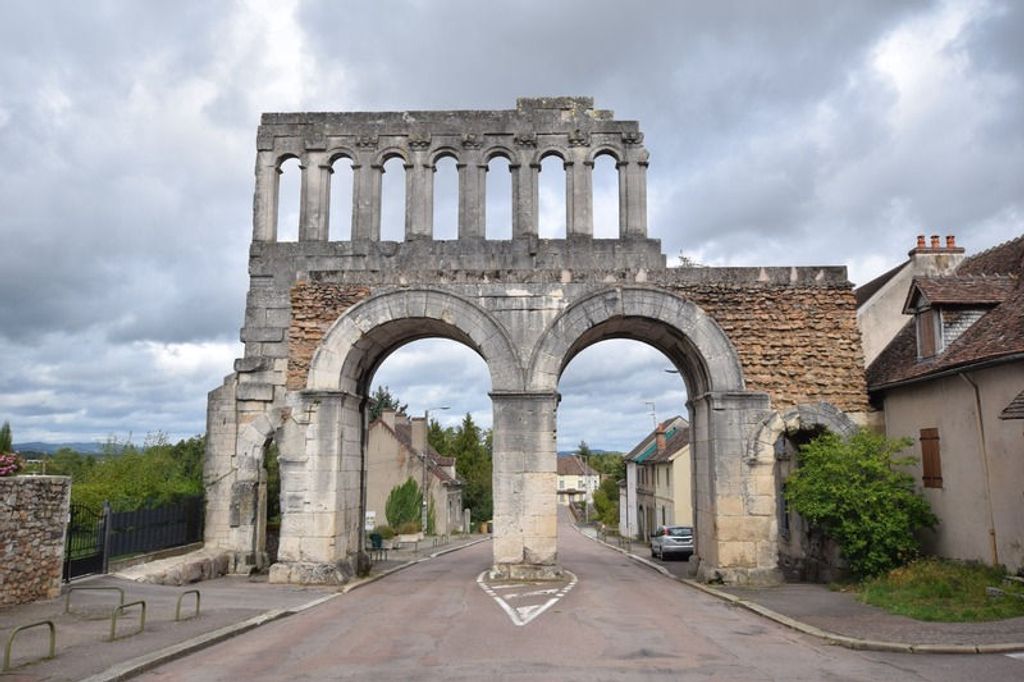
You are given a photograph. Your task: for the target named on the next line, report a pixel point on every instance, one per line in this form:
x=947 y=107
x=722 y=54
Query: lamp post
x=423 y=457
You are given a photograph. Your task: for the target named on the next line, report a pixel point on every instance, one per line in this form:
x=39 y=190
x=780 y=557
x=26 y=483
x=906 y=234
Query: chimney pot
x=920 y=241
x=951 y=241
x=935 y=241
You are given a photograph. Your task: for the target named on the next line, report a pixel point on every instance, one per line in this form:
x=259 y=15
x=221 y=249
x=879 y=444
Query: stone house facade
x=397 y=450
x=952 y=380
x=662 y=470
x=577 y=481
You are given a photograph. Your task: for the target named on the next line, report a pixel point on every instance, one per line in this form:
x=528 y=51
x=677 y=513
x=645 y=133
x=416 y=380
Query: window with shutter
x=926 y=345
x=930 y=459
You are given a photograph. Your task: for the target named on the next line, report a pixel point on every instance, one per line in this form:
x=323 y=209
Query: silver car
x=672 y=541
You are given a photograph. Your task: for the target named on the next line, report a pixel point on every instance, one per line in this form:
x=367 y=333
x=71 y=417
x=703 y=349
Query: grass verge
x=942 y=590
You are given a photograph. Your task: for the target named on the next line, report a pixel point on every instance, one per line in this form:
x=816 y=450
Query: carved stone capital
x=366 y=141
x=525 y=140
x=579 y=138
x=472 y=141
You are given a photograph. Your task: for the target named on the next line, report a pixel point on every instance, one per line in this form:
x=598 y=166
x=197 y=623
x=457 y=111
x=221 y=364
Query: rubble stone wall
x=33 y=522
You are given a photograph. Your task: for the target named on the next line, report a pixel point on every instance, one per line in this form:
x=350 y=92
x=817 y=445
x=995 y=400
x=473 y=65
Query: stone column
x=419 y=198
x=579 y=195
x=365 y=200
x=314 y=211
x=525 y=480
x=635 y=192
x=321 y=468
x=525 y=198
x=735 y=541
x=264 y=200
x=472 y=198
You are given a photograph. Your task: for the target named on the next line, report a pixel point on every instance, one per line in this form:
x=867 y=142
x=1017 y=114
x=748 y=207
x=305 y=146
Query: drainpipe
x=984 y=462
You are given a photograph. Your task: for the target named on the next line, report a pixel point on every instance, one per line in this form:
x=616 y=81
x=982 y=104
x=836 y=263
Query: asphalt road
x=620 y=621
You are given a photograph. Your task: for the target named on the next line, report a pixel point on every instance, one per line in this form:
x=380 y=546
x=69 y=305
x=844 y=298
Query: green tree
x=404 y=504
x=606 y=502
x=6 y=441
x=472 y=452
x=440 y=438
x=854 y=490
x=382 y=399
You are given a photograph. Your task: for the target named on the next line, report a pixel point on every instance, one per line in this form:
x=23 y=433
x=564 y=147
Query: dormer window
x=946 y=307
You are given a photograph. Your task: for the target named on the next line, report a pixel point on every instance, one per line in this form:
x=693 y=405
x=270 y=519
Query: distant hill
x=570 y=453
x=50 y=448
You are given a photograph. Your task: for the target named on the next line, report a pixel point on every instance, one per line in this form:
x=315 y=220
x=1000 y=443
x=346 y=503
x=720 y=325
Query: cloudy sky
x=780 y=133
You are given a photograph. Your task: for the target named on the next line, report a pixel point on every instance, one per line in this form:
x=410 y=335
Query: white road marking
x=535 y=593
x=524 y=614
x=1019 y=657
x=508 y=587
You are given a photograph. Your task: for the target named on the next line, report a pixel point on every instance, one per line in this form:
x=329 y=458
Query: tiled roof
x=673 y=444
x=574 y=465
x=866 y=291
x=646 y=447
x=964 y=289
x=1015 y=410
x=999 y=333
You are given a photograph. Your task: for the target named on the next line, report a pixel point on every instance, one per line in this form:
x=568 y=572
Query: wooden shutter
x=926 y=333
x=930 y=460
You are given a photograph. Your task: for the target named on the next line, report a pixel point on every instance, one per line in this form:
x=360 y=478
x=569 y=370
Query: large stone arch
x=734 y=542
x=363 y=337
x=686 y=334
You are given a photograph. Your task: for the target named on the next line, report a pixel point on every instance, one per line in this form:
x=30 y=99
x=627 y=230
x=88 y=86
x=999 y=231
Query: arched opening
x=432 y=436
x=551 y=211
x=289 y=191
x=342 y=189
x=446 y=198
x=498 y=212
x=606 y=196
x=393 y=200
x=623 y=421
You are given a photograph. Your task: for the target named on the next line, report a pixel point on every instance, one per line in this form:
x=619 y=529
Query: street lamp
x=423 y=456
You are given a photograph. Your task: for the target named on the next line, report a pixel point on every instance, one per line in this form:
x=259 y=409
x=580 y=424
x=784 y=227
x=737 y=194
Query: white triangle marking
x=521 y=615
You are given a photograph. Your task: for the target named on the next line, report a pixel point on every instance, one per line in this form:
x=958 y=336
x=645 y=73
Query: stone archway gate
x=750 y=343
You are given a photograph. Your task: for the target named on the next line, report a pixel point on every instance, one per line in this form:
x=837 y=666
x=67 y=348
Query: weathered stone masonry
x=33 y=523
x=761 y=350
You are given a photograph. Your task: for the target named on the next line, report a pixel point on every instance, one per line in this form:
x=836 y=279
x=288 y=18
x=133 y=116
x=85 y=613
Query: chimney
x=659 y=437
x=935 y=241
x=388 y=417
x=950 y=241
x=418 y=434
x=933 y=247
x=920 y=241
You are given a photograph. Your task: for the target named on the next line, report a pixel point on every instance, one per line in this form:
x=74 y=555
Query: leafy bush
x=854 y=491
x=409 y=527
x=606 y=502
x=386 y=532
x=10 y=464
x=6 y=441
x=404 y=504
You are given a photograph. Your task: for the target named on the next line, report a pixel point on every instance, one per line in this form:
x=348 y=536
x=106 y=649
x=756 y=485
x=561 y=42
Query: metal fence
x=147 y=530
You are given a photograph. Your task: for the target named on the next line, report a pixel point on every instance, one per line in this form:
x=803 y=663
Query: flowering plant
x=10 y=464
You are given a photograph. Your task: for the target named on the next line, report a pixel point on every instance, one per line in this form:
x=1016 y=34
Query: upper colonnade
x=566 y=127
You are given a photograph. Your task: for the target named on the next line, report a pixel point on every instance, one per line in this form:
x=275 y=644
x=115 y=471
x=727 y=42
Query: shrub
x=853 y=490
x=409 y=527
x=10 y=464
x=404 y=504
x=386 y=532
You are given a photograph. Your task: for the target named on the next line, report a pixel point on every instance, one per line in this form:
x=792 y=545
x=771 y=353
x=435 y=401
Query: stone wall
x=315 y=307
x=33 y=522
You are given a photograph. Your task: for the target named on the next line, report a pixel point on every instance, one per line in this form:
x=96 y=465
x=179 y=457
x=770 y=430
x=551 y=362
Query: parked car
x=672 y=541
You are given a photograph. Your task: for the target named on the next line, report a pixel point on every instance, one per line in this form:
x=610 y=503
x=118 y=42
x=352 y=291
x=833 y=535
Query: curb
x=830 y=637
x=140 y=664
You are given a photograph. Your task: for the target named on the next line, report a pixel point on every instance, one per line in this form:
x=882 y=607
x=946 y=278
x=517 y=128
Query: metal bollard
x=67 y=598
x=10 y=641
x=177 y=609
x=120 y=609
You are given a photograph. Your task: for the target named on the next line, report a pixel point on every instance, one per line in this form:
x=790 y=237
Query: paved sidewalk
x=838 y=616
x=229 y=605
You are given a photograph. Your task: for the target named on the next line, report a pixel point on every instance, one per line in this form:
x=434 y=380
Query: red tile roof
x=995 y=275
x=573 y=465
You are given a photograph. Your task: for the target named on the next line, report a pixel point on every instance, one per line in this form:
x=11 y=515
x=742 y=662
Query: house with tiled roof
x=577 y=481
x=397 y=450
x=657 y=489
x=952 y=379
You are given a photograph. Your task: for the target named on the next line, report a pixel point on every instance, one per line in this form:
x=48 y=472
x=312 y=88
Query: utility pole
x=424 y=505
x=654 y=414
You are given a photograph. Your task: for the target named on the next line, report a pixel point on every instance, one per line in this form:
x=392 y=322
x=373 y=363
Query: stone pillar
x=735 y=541
x=264 y=200
x=419 y=198
x=34 y=513
x=525 y=198
x=635 y=193
x=525 y=481
x=314 y=210
x=472 y=198
x=579 y=195
x=365 y=200
x=320 y=454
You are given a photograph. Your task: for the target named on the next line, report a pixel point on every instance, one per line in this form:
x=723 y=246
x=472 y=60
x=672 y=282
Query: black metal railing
x=148 y=530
